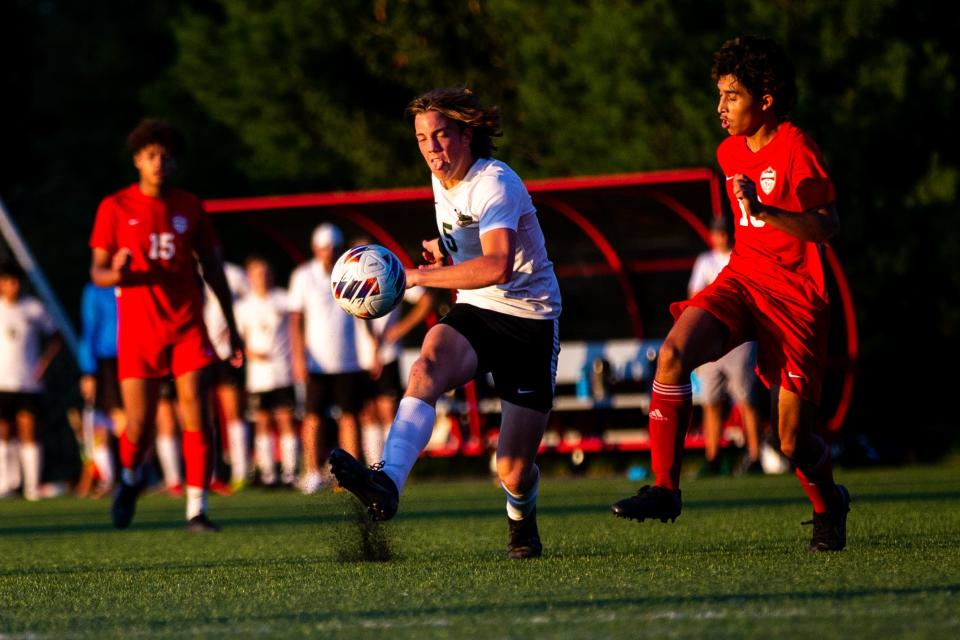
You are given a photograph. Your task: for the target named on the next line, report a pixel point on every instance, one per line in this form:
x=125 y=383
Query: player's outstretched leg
x=830 y=528
x=372 y=487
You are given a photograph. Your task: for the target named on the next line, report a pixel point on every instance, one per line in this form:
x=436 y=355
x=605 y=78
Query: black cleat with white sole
x=524 y=541
x=650 y=502
x=372 y=487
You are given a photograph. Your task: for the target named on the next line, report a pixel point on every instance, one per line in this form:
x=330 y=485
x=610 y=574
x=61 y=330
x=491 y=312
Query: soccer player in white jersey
x=263 y=321
x=324 y=344
x=23 y=322
x=505 y=321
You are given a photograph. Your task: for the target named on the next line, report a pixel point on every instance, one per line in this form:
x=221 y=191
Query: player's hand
x=432 y=253
x=88 y=388
x=745 y=191
x=236 y=350
x=121 y=261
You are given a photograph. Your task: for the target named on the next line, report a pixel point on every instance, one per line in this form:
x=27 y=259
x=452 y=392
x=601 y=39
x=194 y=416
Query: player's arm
x=817 y=224
x=495 y=266
x=211 y=267
x=298 y=347
x=113 y=270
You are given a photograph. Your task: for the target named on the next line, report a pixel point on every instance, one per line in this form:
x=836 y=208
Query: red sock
x=196 y=459
x=817 y=481
x=129 y=452
x=670 y=411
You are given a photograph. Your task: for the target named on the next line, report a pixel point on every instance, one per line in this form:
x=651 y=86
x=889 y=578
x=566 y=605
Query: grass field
x=734 y=565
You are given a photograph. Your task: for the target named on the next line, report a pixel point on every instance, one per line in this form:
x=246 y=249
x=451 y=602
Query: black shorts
x=280 y=398
x=521 y=353
x=388 y=384
x=224 y=374
x=108 y=396
x=13 y=402
x=335 y=393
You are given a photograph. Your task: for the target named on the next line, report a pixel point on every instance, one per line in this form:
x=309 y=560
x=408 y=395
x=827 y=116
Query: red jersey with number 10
x=789 y=174
x=163 y=235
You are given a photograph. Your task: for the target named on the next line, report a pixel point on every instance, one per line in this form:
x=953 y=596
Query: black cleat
x=524 y=542
x=201 y=524
x=650 y=502
x=830 y=528
x=124 y=504
x=372 y=487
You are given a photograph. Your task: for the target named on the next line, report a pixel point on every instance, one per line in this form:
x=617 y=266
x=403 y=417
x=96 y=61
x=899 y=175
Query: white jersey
x=491 y=196
x=21 y=325
x=263 y=324
x=213 y=317
x=330 y=331
x=366 y=329
x=707 y=267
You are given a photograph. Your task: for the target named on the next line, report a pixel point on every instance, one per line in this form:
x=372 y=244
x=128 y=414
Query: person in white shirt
x=505 y=321
x=733 y=373
x=227 y=379
x=23 y=323
x=323 y=338
x=263 y=322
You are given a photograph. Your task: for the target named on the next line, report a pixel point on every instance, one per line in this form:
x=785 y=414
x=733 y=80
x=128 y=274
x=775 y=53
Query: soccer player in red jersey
x=772 y=291
x=147 y=241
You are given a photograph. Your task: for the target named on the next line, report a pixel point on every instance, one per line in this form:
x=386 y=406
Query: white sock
x=168 y=452
x=371 y=436
x=520 y=506
x=264 y=452
x=288 y=455
x=14 y=479
x=237 y=432
x=196 y=501
x=4 y=481
x=30 y=458
x=409 y=435
x=104 y=462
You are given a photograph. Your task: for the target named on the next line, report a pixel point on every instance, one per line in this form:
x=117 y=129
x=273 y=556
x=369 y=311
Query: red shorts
x=144 y=356
x=791 y=333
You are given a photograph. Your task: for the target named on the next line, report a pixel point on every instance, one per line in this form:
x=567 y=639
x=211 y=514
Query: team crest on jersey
x=179 y=224
x=768 y=180
x=464 y=219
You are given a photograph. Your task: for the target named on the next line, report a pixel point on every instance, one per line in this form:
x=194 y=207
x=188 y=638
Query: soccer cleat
x=124 y=504
x=372 y=487
x=200 y=523
x=220 y=488
x=830 y=528
x=650 y=502
x=524 y=541
x=175 y=490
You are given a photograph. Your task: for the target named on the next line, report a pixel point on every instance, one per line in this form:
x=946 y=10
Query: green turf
x=734 y=565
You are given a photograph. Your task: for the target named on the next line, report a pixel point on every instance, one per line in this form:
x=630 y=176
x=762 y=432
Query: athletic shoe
x=710 y=469
x=200 y=523
x=524 y=540
x=372 y=487
x=830 y=528
x=311 y=483
x=650 y=502
x=175 y=490
x=220 y=488
x=124 y=504
x=750 y=467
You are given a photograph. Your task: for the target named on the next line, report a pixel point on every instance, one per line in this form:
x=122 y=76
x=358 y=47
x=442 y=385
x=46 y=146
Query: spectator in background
x=324 y=344
x=23 y=322
x=264 y=324
x=379 y=347
x=99 y=386
x=733 y=373
x=227 y=379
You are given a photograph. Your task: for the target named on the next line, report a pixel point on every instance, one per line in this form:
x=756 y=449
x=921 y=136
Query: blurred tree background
x=307 y=95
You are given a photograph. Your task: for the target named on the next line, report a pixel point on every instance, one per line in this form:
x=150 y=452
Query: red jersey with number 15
x=790 y=174
x=163 y=235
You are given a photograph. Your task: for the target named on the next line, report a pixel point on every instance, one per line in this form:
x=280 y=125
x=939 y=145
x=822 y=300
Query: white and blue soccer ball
x=368 y=281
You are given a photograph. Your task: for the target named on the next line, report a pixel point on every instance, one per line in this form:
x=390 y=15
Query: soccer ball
x=368 y=281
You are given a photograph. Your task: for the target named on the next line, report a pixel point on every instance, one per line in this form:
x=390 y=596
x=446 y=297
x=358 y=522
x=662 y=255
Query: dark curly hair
x=462 y=105
x=762 y=67
x=157 y=131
